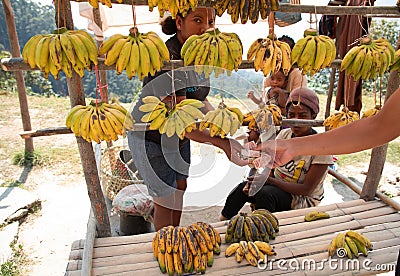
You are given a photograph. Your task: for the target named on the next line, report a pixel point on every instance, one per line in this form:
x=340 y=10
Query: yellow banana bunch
x=270 y=55
x=260 y=225
x=396 y=62
x=371 y=112
x=370 y=59
x=63 y=50
x=212 y=51
x=341 y=118
x=245 y=9
x=350 y=244
x=186 y=249
x=313 y=52
x=99 y=121
x=253 y=252
x=315 y=215
x=263 y=118
x=182 y=118
x=139 y=54
x=222 y=121
x=173 y=6
x=95 y=3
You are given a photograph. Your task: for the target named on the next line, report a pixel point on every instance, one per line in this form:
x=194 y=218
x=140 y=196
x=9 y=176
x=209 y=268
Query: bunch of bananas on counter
x=316 y=215
x=260 y=225
x=173 y=6
x=350 y=244
x=270 y=54
x=372 y=58
x=95 y=3
x=245 y=9
x=396 y=62
x=341 y=118
x=180 y=119
x=214 y=50
x=371 y=112
x=186 y=249
x=222 y=121
x=139 y=54
x=253 y=252
x=263 y=118
x=66 y=50
x=99 y=121
x=313 y=52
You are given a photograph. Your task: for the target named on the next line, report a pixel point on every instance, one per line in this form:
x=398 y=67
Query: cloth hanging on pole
x=350 y=29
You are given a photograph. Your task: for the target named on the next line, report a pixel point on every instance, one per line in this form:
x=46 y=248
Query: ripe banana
x=341 y=118
x=352 y=242
x=316 y=215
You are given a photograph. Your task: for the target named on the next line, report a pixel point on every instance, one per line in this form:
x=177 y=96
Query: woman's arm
x=312 y=179
x=360 y=135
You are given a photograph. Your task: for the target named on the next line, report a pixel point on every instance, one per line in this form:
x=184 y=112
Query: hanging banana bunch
x=63 y=50
x=214 y=50
x=95 y=3
x=313 y=52
x=341 y=118
x=264 y=118
x=173 y=6
x=270 y=55
x=139 y=54
x=371 y=112
x=370 y=59
x=180 y=119
x=222 y=121
x=245 y=9
x=99 y=121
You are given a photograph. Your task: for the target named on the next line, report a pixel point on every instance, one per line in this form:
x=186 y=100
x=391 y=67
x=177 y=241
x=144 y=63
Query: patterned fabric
x=296 y=170
x=134 y=200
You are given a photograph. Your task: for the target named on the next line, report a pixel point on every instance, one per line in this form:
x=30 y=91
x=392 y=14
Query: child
x=296 y=184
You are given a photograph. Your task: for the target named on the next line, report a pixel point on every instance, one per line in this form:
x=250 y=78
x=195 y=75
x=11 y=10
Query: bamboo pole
x=15 y=52
x=76 y=93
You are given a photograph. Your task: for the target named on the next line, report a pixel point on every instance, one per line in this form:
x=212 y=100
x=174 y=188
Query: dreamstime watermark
x=309 y=264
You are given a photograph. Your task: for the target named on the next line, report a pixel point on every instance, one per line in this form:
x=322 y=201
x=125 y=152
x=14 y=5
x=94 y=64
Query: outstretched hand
x=232 y=149
x=278 y=150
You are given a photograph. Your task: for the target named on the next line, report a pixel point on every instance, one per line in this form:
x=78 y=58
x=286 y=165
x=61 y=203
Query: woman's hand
x=279 y=150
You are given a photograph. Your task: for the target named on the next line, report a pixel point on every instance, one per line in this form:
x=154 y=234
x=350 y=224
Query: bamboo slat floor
x=299 y=245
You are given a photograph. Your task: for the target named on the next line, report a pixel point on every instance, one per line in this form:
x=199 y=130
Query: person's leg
x=177 y=212
x=234 y=202
x=273 y=199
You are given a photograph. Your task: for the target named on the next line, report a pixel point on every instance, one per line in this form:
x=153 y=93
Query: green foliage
x=321 y=80
x=12 y=267
x=35 y=158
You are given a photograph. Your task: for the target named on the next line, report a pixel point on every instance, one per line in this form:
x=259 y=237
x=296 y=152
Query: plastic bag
x=134 y=200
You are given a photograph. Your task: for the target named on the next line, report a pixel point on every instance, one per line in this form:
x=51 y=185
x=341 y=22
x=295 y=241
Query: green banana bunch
x=63 y=50
x=212 y=51
x=139 y=54
x=350 y=244
x=186 y=249
x=222 y=121
x=260 y=225
x=99 y=121
x=245 y=9
x=341 y=118
x=396 y=62
x=173 y=6
x=370 y=59
x=313 y=52
x=270 y=55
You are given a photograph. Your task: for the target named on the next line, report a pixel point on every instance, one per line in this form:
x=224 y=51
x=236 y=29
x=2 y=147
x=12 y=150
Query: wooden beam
x=88 y=160
x=289 y=8
x=15 y=52
x=18 y=64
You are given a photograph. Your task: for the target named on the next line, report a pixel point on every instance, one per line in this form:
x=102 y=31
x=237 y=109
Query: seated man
x=297 y=184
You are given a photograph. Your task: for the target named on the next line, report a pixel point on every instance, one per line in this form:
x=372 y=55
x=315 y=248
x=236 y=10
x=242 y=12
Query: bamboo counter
x=297 y=244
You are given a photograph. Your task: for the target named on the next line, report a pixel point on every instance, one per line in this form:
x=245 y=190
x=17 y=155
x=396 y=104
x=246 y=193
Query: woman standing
x=164 y=162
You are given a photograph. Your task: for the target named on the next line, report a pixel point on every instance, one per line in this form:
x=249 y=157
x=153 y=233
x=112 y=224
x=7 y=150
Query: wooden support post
x=15 y=52
x=77 y=96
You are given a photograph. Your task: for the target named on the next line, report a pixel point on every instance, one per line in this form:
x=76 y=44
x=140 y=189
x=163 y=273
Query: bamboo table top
x=297 y=244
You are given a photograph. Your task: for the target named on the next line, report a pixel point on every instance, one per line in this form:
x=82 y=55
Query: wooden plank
x=302 y=212
x=378 y=220
x=76 y=254
x=73 y=273
x=374 y=213
x=121 y=249
x=74 y=265
x=78 y=244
